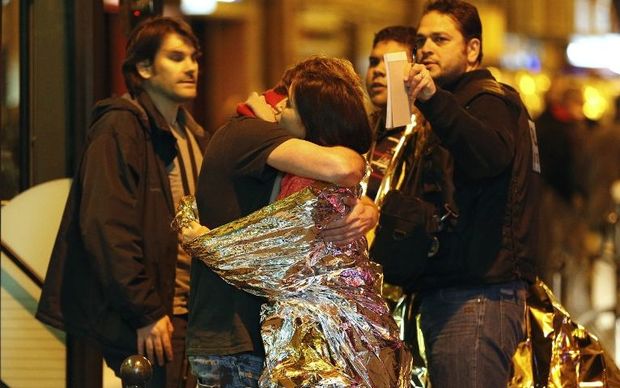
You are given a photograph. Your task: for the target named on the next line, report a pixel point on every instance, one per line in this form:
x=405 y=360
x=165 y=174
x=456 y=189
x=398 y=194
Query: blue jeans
x=471 y=334
x=235 y=371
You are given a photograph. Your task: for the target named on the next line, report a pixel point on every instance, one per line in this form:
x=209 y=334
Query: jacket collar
x=150 y=114
x=467 y=77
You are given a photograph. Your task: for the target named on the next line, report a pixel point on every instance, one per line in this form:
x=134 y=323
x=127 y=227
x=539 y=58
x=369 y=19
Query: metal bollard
x=136 y=371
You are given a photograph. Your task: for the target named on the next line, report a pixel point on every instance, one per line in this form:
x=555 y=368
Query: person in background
x=471 y=294
x=562 y=131
x=563 y=139
x=388 y=40
x=117 y=274
x=238 y=177
x=389 y=154
x=600 y=173
x=599 y=180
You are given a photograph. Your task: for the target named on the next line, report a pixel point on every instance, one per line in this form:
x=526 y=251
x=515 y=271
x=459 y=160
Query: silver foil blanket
x=325 y=323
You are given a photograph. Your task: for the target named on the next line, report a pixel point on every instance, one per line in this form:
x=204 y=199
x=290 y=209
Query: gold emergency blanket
x=558 y=352
x=324 y=323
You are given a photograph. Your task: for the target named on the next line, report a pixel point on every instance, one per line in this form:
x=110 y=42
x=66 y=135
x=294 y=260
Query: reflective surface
x=325 y=323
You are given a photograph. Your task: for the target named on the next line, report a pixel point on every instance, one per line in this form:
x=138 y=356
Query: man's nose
x=191 y=66
x=423 y=52
x=425 y=46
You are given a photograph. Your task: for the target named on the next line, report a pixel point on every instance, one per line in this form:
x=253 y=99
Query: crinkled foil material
x=559 y=352
x=325 y=323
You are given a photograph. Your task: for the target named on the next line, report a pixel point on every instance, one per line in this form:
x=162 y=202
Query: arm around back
x=338 y=165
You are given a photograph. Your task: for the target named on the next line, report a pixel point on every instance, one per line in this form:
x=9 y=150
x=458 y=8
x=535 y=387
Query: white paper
x=398 y=112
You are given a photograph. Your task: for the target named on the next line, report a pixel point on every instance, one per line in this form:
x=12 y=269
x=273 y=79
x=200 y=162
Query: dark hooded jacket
x=112 y=269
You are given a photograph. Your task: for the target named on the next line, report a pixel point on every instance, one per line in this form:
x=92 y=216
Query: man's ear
x=145 y=69
x=473 y=51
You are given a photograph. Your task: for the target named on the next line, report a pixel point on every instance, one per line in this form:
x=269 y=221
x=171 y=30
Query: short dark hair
x=144 y=42
x=464 y=14
x=331 y=103
x=402 y=34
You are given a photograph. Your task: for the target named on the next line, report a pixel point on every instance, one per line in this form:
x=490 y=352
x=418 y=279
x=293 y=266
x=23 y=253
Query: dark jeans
x=471 y=334
x=174 y=374
x=233 y=371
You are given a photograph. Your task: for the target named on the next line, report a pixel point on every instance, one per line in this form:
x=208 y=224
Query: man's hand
x=261 y=108
x=363 y=217
x=193 y=230
x=156 y=340
x=419 y=83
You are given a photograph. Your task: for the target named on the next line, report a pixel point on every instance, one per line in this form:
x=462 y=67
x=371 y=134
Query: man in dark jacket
x=472 y=292
x=117 y=274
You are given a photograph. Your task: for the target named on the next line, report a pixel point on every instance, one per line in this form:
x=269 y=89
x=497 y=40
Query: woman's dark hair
x=464 y=14
x=331 y=104
x=144 y=42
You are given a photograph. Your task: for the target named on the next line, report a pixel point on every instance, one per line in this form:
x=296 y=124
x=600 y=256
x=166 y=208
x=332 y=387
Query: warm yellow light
x=496 y=72
x=595 y=104
x=543 y=82
x=534 y=104
x=527 y=85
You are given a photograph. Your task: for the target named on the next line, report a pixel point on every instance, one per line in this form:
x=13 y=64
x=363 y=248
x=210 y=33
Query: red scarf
x=271 y=97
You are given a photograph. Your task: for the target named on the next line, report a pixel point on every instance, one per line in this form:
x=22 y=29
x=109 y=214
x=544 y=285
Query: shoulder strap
x=390 y=179
x=479 y=87
x=419 y=147
x=493 y=87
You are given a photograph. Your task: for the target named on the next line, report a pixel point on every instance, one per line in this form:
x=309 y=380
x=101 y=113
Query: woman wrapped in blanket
x=325 y=323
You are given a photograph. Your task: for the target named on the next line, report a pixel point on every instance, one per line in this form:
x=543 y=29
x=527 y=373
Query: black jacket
x=113 y=264
x=487 y=167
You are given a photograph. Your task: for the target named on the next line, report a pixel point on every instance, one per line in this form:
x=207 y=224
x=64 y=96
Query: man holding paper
x=471 y=296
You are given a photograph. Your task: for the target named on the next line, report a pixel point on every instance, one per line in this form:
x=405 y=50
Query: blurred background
x=60 y=56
